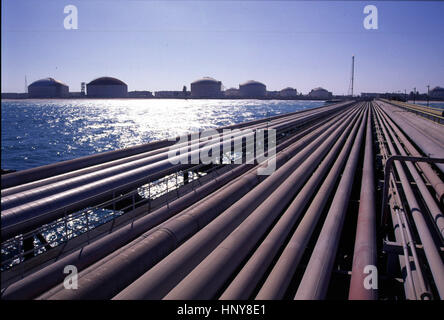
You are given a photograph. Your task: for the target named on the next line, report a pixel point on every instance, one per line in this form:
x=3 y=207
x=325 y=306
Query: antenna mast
x=352 y=78
x=353 y=74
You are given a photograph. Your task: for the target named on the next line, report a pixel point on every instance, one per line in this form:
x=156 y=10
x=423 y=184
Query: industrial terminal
x=204 y=88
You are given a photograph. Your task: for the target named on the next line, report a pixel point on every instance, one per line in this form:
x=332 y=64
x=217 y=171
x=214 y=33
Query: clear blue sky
x=163 y=45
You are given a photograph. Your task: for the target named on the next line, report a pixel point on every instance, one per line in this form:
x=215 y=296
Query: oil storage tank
x=252 y=89
x=289 y=93
x=48 y=88
x=107 y=87
x=320 y=93
x=206 y=87
x=437 y=93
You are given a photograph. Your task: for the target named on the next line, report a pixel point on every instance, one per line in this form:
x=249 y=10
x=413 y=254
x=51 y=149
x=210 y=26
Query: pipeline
x=429 y=173
x=414 y=283
x=37 y=283
x=150 y=248
x=428 y=136
x=27 y=216
x=433 y=257
x=9 y=202
x=43 y=172
x=248 y=278
x=435 y=211
x=277 y=282
x=209 y=276
x=316 y=278
x=364 y=253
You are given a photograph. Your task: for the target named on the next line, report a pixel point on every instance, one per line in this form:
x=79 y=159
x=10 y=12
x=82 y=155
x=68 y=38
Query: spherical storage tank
x=48 y=88
x=107 y=87
x=252 y=89
x=206 y=88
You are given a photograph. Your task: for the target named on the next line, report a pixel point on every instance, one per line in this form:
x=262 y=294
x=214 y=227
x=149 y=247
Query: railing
x=421 y=112
x=387 y=172
x=72 y=225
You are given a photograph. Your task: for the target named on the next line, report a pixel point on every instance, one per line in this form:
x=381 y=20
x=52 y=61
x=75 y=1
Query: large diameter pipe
x=213 y=272
x=156 y=282
x=27 y=216
x=144 y=252
x=429 y=173
x=278 y=281
x=428 y=136
x=43 y=172
x=432 y=255
x=433 y=208
x=317 y=275
x=42 y=280
x=248 y=278
x=26 y=179
x=43 y=188
x=364 y=253
x=153 y=156
x=37 y=283
x=410 y=267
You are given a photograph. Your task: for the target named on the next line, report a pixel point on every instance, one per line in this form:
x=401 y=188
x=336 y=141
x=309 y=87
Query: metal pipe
x=316 y=278
x=9 y=202
x=278 y=280
x=210 y=275
x=429 y=173
x=35 y=284
x=411 y=275
x=433 y=257
x=144 y=252
x=433 y=208
x=248 y=278
x=43 y=172
x=27 y=216
x=428 y=136
x=364 y=253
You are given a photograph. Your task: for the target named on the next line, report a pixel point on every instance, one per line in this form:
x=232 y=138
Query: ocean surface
x=433 y=104
x=39 y=132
